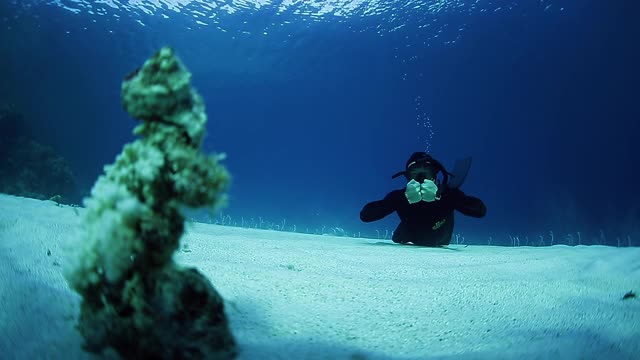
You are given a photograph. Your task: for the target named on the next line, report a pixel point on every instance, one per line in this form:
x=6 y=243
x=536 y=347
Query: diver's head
x=421 y=166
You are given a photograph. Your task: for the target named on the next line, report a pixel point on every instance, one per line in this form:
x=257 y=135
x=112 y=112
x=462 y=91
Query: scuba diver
x=425 y=206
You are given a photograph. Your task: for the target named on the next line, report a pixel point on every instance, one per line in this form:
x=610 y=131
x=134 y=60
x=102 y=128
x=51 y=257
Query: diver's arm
x=376 y=210
x=468 y=205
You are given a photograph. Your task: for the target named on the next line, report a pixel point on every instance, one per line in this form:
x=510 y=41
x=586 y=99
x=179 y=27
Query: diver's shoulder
x=395 y=194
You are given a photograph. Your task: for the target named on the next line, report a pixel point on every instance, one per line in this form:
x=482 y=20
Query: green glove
x=429 y=190
x=412 y=192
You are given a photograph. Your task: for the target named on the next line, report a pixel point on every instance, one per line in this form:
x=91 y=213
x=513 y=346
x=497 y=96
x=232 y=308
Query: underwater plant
x=135 y=298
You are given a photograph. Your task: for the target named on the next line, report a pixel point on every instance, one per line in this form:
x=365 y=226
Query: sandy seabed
x=298 y=296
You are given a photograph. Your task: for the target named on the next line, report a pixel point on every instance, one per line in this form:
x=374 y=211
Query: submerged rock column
x=135 y=298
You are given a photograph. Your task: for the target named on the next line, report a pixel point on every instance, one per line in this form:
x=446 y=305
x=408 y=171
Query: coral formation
x=135 y=298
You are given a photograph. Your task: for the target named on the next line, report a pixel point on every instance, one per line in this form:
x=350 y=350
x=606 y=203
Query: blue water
x=318 y=103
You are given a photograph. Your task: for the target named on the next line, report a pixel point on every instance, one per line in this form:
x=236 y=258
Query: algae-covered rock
x=135 y=299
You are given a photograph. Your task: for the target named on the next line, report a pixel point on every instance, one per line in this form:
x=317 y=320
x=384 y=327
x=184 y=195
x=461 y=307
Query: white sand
x=294 y=296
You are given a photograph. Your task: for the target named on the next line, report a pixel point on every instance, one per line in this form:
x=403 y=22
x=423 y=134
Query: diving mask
x=421 y=171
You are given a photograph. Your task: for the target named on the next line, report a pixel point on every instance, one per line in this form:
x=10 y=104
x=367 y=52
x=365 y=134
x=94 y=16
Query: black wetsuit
x=424 y=223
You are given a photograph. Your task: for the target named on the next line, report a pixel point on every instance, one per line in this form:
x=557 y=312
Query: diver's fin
x=460 y=170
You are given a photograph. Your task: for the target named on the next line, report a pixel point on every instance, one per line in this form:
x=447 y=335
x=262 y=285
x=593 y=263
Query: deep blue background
x=315 y=116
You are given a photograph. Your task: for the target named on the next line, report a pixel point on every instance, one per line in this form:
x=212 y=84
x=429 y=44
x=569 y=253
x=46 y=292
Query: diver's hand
x=412 y=192
x=429 y=191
